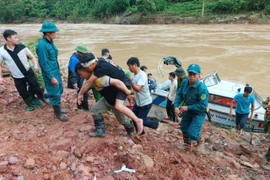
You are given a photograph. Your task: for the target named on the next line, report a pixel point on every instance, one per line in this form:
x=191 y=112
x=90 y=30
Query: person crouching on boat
x=191 y=102
x=243 y=100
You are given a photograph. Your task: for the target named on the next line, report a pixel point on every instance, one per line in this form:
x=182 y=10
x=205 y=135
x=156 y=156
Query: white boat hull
x=219 y=111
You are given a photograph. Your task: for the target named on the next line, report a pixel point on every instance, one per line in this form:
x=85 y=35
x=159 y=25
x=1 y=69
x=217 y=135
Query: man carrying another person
x=100 y=69
x=108 y=87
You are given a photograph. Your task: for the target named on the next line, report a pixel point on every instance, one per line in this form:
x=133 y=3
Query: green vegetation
x=18 y=11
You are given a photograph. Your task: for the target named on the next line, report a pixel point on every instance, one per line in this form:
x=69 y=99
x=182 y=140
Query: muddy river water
x=238 y=52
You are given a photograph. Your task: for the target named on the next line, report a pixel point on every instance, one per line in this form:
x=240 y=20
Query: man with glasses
x=47 y=58
x=191 y=102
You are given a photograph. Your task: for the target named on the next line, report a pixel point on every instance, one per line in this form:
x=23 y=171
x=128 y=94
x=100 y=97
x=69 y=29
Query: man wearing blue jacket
x=74 y=80
x=47 y=58
x=191 y=102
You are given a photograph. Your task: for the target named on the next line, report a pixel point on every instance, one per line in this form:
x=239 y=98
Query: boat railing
x=211 y=79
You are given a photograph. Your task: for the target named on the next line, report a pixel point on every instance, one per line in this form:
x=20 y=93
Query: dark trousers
x=241 y=119
x=85 y=95
x=21 y=85
x=268 y=154
x=141 y=112
x=170 y=110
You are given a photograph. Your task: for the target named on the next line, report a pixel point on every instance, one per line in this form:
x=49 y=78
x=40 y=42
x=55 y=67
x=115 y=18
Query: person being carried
x=143 y=100
x=191 y=102
x=100 y=69
x=170 y=97
x=108 y=87
x=16 y=56
x=243 y=100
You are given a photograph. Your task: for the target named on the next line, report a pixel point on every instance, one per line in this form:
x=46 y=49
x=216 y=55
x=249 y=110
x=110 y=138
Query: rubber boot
x=99 y=125
x=31 y=106
x=63 y=110
x=58 y=114
x=130 y=129
x=85 y=106
x=187 y=142
x=41 y=97
x=199 y=149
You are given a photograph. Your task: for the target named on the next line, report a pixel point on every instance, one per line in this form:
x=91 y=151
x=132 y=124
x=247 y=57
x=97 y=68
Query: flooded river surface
x=238 y=52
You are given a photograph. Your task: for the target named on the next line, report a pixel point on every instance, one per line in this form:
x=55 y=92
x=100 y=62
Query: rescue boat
x=221 y=94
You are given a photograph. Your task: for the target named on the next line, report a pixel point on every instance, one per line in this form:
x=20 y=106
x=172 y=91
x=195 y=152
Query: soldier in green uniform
x=47 y=57
x=266 y=106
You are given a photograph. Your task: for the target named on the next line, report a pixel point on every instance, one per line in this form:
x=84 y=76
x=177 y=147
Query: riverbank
x=140 y=18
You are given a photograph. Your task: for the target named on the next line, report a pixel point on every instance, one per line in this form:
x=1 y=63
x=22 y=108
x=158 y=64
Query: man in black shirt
x=108 y=88
x=103 y=68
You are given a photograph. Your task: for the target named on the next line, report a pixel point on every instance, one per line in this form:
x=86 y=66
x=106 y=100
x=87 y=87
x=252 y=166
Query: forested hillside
x=19 y=11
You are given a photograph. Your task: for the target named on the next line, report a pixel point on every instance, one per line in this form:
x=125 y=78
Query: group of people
x=187 y=97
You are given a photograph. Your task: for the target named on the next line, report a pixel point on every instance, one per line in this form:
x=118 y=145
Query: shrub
x=151 y=5
x=228 y=6
x=105 y=8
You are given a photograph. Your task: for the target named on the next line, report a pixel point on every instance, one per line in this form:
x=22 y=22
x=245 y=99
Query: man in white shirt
x=15 y=56
x=170 y=97
x=143 y=99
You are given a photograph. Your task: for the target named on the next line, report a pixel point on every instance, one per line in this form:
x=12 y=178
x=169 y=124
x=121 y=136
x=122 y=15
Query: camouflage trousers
x=266 y=123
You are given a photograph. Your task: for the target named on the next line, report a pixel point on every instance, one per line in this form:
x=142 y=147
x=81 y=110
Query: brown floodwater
x=238 y=52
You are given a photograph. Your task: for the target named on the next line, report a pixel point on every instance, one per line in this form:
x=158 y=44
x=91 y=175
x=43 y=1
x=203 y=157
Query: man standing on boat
x=170 y=97
x=191 y=102
x=47 y=57
x=243 y=100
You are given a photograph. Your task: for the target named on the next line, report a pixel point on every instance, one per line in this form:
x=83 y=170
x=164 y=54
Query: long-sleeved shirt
x=73 y=77
x=195 y=97
x=172 y=91
x=47 y=58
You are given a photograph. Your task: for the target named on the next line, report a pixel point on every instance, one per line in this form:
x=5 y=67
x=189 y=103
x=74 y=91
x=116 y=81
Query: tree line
x=18 y=11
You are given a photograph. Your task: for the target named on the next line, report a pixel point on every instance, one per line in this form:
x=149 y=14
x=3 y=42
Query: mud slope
x=35 y=145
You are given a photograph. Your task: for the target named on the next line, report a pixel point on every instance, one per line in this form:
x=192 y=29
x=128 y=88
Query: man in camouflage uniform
x=266 y=105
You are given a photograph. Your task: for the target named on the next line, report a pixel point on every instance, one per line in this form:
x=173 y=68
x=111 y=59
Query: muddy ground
x=35 y=145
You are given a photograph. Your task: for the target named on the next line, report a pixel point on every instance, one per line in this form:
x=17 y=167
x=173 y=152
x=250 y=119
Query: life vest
x=268 y=108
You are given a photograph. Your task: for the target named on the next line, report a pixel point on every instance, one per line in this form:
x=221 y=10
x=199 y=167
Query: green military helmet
x=48 y=27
